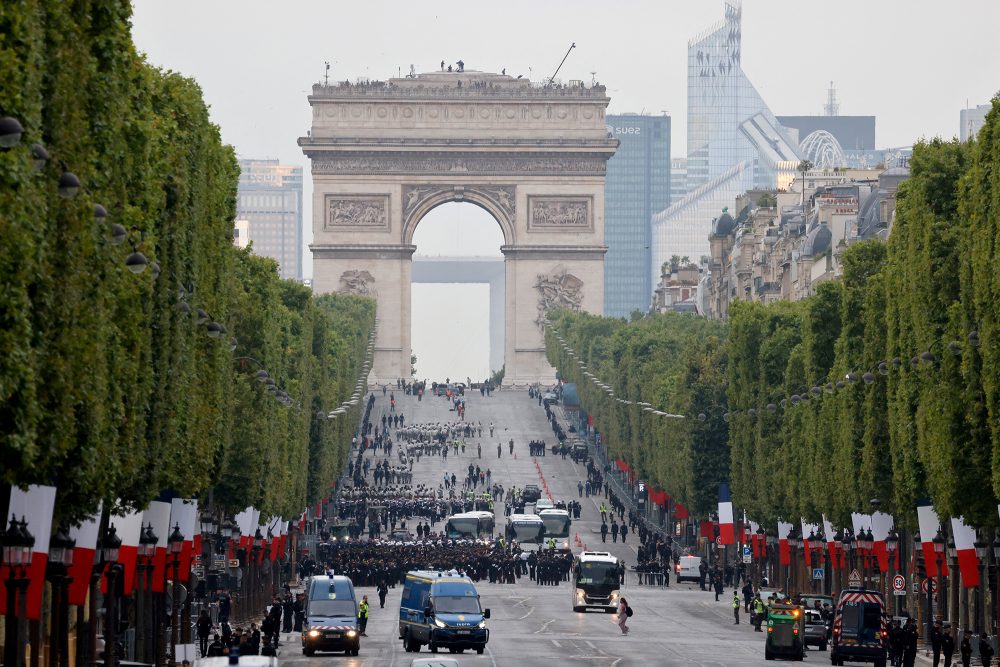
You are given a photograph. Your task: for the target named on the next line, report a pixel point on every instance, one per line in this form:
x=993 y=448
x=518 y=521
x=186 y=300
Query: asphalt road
x=535 y=625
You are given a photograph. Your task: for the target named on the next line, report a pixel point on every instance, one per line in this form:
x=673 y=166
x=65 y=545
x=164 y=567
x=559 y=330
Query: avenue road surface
x=535 y=625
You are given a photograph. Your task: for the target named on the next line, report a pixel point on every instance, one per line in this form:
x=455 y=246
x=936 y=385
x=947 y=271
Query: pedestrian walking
x=736 y=607
x=936 y=637
x=985 y=649
x=383 y=590
x=965 y=649
x=624 y=611
x=204 y=627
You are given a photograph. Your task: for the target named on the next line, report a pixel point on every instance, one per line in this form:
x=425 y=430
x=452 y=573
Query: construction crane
x=571 y=47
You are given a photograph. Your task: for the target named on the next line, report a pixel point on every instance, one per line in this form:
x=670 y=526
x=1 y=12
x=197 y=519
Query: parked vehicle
x=687 y=568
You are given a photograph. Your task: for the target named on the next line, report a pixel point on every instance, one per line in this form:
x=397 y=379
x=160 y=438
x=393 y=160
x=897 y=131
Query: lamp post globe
x=10 y=131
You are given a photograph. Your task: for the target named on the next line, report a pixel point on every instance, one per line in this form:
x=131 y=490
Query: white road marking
x=530 y=610
x=545 y=626
x=556 y=643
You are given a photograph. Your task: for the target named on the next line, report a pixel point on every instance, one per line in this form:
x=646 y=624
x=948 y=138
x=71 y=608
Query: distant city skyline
x=256 y=65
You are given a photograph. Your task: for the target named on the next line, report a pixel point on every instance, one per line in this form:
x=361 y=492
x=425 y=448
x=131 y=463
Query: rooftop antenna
x=571 y=47
x=326 y=76
x=831 y=108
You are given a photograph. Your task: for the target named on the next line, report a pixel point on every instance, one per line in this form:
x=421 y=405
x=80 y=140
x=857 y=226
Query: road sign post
x=899 y=585
x=854 y=580
x=819 y=573
x=747 y=555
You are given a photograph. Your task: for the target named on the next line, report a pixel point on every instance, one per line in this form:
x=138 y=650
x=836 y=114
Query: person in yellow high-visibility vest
x=363 y=616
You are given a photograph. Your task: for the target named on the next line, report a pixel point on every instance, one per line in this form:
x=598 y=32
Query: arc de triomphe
x=384 y=154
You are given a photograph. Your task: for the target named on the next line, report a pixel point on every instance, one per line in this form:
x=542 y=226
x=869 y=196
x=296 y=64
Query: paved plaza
x=535 y=625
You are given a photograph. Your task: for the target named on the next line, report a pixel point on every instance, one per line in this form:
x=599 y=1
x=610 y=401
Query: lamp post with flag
x=60 y=559
x=17 y=550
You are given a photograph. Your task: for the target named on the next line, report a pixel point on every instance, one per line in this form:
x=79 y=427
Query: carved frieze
x=424 y=165
x=558 y=289
x=357 y=282
x=567 y=213
x=503 y=197
x=357 y=211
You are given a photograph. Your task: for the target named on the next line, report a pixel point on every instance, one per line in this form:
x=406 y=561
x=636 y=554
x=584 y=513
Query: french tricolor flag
x=727 y=529
x=158 y=516
x=929 y=524
x=84 y=554
x=784 y=549
x=965 y=549
x=35 y=506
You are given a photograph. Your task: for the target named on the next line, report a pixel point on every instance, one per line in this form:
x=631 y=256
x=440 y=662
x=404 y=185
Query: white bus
x=470 y=525
x=557 y=522
x=597 y=581
x=525 y=528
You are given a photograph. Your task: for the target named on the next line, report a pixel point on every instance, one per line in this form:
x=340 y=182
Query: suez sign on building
x=624 y=130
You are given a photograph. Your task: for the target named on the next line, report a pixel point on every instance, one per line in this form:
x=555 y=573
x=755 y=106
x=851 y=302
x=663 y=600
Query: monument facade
x=534 y=156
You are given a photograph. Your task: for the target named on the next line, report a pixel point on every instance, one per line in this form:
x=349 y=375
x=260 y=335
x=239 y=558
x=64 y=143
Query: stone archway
x=385 y=154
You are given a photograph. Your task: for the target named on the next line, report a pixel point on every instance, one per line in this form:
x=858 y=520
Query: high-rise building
x=637 y=185
x=678 y=178
x=972 y=120
x=735 y=143
x=270 y=201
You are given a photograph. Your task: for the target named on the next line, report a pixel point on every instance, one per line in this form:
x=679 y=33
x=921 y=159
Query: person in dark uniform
x=936 y=636
x=604 y=532
x=965 y=648
x=909 y=643
x=947 y=645
x=383 y=590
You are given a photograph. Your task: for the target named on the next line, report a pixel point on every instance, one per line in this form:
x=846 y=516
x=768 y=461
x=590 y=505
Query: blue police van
x=331 y=616
x=442 y=610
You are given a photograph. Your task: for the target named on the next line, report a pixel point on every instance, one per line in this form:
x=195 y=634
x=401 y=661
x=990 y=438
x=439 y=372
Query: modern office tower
x=270 y=201
x=735 y=143
x=972 y=120
x=636 y=187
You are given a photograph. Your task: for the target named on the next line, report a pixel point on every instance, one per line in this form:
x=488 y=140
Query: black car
x=817 y=630
x=579 y=452
x=531 y=493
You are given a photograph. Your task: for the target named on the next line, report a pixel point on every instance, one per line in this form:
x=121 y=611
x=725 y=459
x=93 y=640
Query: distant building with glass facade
x=269 y=208
x=637 y=186
x=734 y=143
x=972 y=120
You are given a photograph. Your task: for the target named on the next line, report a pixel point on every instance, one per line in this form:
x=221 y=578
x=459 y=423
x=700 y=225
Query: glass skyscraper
x=637 y=186
x=735 y=143
x=269 y=199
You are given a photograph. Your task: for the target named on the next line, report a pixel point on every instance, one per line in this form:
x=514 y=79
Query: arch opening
x=457 y=297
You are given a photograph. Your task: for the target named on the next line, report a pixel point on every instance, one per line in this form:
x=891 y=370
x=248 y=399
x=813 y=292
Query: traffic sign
x=924 y=585
x=899 y=585
x=819 y=573
x=854 y=579
x=747 y=555
x=718 y=542
x=234 y=562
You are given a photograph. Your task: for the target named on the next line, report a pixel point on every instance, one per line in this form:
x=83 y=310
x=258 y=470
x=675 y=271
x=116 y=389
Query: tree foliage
x=107 y=389
x=809 y=433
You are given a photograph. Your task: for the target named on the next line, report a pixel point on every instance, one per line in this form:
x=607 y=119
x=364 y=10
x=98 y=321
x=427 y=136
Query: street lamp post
x=147 y=551
x=176 y=544
x=254 y=570
x=17 y=548
x=891 y=545
x=109 y=554
x=847 y=544
x=982 y=615
x=995 y=547
x=60 y=558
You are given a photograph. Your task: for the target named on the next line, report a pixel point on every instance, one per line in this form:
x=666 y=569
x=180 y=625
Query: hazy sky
x=911 y=63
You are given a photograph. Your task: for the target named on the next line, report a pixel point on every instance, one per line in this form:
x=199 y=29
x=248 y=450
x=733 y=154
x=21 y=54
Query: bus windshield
x=556 y=524
x=597 y=574
x=528 y=531
x=462 y=526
